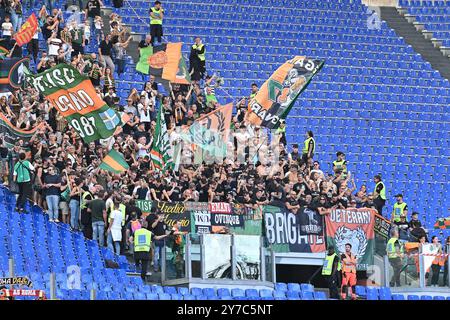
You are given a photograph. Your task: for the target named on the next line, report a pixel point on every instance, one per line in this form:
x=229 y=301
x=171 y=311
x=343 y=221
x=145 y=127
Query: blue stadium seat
x=170 y=290
x=164 y=296
x=424 y=297
x=292 y=295
x=281 y=286
x=307 y=287
x=372 y=293
x=293 y=287
x=196 y=291
x=413 y=297
x=265 y=293
x=307 y=295
x=398 y=297
x=360 y=291
x=224 y=293
x=320 y=295
x=237 y=293
x=188 y=297
x=251 y=293
x=183 y=291
x=385 y=293
x=438 y=298
x=209 y=292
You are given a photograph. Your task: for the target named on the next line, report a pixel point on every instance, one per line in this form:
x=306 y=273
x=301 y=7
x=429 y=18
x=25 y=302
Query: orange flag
x=27 y=31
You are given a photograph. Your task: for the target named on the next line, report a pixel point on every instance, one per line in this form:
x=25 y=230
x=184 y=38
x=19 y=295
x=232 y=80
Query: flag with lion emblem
x=160 y=61
x=211 y=131
x=354 y=226
x=278 y=94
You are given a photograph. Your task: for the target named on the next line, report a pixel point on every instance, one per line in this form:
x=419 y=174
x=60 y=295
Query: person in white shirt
x=115 y=227
x=145 y=109
x=54 y=44
x=143 y=148
x=7 y=28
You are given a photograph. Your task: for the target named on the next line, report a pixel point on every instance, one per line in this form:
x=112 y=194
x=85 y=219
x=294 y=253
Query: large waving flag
x=162 y=154
x=114 y=162
x=74 y=96
x=27 y=31
x=211 y=131
x=278 y=94
x=160 y=61
x=183 y=76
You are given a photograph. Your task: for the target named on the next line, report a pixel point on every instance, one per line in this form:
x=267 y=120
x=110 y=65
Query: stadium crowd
x=67 y=172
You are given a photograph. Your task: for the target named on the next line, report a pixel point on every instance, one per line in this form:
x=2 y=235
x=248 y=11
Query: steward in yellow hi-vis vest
x=309 y=147
x=142 y=242
x=331 y=270
x=156 y=21
x=400 y=208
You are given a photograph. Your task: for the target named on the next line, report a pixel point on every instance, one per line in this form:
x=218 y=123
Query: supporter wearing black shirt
x=202 y=188
x=158 y=227
x=291 y=203
x=93 y=9
x=260 y=197
x=301 y=185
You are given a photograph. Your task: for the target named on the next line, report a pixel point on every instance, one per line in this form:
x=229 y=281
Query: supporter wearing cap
x=294 y=155
x=403 y=227
x=400 y=208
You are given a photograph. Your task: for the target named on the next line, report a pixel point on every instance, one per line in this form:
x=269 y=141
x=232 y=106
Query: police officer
x=156 y=21
x=197 y=60
x=309 y=147
x=142 y=240
x=379 y=194
x=331 y=270
x=395 y=254
x=400 y=208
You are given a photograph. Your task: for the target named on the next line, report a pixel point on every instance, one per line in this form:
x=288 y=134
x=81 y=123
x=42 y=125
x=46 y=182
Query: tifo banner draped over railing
x=286 y=232
x=354 y=226
x=202 y=217
x=289 y=232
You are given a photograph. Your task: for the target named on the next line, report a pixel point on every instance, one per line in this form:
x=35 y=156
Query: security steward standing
x=142 y=240
x=348 y=272
x=156 y=21
x=331 y=271
x=197 y=60
x=400 y=208
x=395 y=254
x=379 y=194
x=309 y=147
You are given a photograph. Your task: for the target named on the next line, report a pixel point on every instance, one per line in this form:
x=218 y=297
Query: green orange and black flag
x=442 y=223
x=11 y=134
x=277 y=95
x=183 y=76
x=12 y=73
x=27 y=31
x=74 y=96
x=114 y=162
x=160 y=61
x=354 y=226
